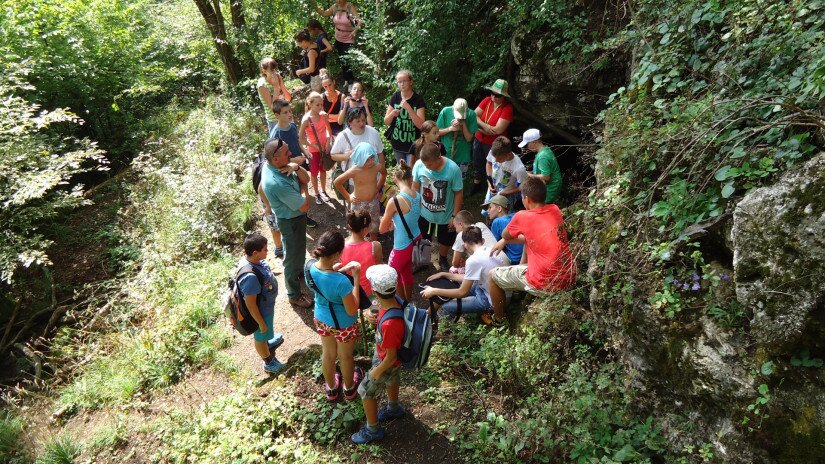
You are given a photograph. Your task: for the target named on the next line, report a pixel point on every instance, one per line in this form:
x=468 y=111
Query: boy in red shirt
x=386 y=369
x=550 y=264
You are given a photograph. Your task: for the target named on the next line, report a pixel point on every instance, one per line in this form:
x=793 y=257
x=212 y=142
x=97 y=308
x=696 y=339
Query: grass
x=63 y=449
x=11 y=427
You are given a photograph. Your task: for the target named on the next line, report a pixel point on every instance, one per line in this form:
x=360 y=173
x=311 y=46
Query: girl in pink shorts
x=316 y=136
x=404 y=238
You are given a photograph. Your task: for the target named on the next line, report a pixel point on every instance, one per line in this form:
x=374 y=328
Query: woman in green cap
x=494 y=115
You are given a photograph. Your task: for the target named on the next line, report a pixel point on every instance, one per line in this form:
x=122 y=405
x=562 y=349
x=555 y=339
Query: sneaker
x=387 y=413
x=490 y=320
x=352 y=393
x=275 y=341
x=301 y=302
x=273 y=366
x=325 y=197
x=311 y=223
x=334 y=394
x=365 y=435
x=279 y=253
x=317 y=202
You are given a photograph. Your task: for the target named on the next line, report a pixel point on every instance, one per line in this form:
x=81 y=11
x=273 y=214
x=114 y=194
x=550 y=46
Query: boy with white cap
x=456 y=127
x=386 y=369
x=545 y=167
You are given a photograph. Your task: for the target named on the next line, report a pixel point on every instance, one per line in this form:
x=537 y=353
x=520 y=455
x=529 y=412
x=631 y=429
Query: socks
x=372 y=428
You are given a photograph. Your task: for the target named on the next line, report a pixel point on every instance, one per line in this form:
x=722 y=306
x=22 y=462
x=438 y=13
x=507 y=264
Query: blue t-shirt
x=335 y=286
x=290 y=136
x=250 y=285
x=400 y=238
x=512 y=250
x=438 y=190
x=283 y=192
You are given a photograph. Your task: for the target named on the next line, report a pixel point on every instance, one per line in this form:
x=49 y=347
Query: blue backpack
x=418 y=334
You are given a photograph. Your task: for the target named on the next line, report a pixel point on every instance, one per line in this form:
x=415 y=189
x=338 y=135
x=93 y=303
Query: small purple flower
x=695 y=286
x=695 y=277
x=725 y=276
x=686 y=286
x=676 y=282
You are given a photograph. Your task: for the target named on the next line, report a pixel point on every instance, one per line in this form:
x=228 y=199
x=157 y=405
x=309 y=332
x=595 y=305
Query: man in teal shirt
x=285 y=187
x=545 y=167
x=456 y=127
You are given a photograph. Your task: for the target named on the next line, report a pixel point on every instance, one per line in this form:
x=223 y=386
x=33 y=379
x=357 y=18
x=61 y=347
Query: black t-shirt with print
x=402 y=132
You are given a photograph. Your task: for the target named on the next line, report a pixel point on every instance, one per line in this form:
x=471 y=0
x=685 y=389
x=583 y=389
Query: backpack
x=235 y=306
x=419 y=329
x=257 y=172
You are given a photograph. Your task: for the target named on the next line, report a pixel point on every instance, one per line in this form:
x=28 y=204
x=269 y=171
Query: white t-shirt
x=370 y=135
x=509 y=173
x=489 y=241
x=478 y=267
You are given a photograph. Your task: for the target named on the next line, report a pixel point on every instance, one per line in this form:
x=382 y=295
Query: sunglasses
x=496 y=95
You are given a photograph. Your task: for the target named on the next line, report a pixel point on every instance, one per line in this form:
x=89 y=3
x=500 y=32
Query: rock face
x=779 y=257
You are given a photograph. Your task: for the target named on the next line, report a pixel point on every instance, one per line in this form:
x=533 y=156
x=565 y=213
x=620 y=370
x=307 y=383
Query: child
x=261 y=308
x=308 y=73
x=356 y=99
x=498 y=211
x=359 y=249
x=333 y=99
x=474 y=290
x=366 y=168
x=324 y=47
x=464 y=219
x=386 y=369
x=429 y=133
x=316 y=136
x=336 y=311
x=505 y=172
x=271 y=87
x=402 y=243
x=287 y=131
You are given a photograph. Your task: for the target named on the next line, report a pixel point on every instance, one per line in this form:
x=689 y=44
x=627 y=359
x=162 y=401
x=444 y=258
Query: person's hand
x=348 y=153
x=262 y=327
x=305 y=207
x=496 y=249
x=353 y=199
x=365 y=101
x=428 y=292
x=371 y=317
x=406 y=105
x=455 y=126
x=451 y=224
x=372 y=376
x=350 y=266
x=289 y=169
x=394 y=113
x=435 y=276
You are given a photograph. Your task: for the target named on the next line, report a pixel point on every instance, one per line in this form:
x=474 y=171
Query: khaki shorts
x=514 y=278
x=373 y=207
x=371 y=389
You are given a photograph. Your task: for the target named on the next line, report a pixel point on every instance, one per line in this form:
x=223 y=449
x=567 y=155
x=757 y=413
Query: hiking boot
x=387 y=413
x=489 y=319
x=334 y=394
x=352 y=393
x=275 y=341
x=311 y=223
x=365 y=435
x=273 y=366
x=279 y=253
x=301 y=302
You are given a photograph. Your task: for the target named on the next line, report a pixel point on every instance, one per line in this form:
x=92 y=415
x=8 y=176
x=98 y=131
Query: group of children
x=347 y=274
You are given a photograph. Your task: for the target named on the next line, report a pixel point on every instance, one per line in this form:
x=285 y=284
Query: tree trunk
x=214 y=21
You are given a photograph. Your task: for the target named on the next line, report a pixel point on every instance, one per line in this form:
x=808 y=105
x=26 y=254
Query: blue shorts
x=269 y=319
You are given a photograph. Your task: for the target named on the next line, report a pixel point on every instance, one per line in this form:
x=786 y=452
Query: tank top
x=361 y=252
x=344 y=32
x=401 y=239
x=321 y=61
x=320 y=129
x=305 y=62
x=270 y=115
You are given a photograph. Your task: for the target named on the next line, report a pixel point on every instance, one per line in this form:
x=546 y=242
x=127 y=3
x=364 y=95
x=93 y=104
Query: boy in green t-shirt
x=456 y=127
x=545 y=167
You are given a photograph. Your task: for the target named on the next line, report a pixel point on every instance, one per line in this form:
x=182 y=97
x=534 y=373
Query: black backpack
x=235 y=306
x=257 y=172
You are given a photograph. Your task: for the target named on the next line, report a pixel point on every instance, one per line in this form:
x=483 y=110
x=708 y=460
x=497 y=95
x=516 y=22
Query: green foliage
x=62 y=449
x=35 y=170
x=804 y=360
x=11 y=427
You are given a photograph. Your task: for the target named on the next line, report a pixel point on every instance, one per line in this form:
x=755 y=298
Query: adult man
x=439 y=181
x=498 y=210
x=545 y=167
x=285 y=186
x=550 y=264
x=505 y=171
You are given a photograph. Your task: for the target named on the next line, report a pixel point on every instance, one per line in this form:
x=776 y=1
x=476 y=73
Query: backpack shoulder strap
x=347 y=139
x=250 y=269
x=311 y=282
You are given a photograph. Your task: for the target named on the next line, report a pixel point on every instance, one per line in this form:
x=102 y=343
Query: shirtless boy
x=366 y=168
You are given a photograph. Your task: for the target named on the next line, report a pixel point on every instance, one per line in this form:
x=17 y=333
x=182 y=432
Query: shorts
x=401 y=261
x=345 y=335
x=446 y=236
x=371 y=389
x=315 y=166
x=273 y=222
x=401 y=155
x=269 y=319
x=373 y=207
x=514 y=278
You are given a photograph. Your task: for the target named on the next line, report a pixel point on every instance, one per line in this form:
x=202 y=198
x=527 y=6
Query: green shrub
x=11 y=427
x=62 y=449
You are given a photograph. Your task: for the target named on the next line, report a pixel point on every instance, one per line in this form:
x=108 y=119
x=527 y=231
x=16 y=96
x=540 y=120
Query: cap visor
x=524 y=143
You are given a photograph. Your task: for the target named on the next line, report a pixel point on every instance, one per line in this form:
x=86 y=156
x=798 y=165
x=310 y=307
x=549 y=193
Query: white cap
x=530 y=135
x=460 y=108
x=383 y=278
